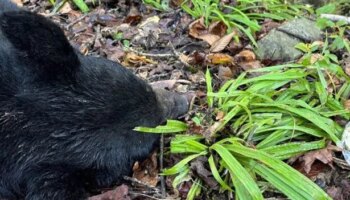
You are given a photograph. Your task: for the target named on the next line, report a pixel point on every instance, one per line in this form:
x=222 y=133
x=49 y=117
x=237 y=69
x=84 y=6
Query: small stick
x=141 y=183
x=336 y=18
x=162 y=181
x=153 y=55
x=75 y=21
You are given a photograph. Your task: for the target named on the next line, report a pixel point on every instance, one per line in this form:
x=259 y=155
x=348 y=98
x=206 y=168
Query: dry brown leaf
x=222 y=42
x=177 y=3
x=66 y=8
x=197 y=28
x=147 y=171
x=315 y=57
x=185 y=59
x=347 y=104
x=200 y=169
x=198 y=58
x=250 y=65
x=219 y=58
x=209 y=38
x=218 y=28
x=225 y=73
x=119 y=193
x=209 y=132
x=132 y=59
x=324 y=155
x=245 y=56
x=220 y=115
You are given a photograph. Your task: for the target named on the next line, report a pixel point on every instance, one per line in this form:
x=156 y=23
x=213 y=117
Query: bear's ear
x=40 y=44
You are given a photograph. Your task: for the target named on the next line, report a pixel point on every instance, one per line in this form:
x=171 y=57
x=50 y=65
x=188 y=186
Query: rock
x=279 y=44
x=303 y=29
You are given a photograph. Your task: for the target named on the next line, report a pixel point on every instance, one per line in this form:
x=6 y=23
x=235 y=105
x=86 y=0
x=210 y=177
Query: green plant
x=282 y=113
x=245 y=15
x=79 y=3
x=158 y=4
x=336 y=30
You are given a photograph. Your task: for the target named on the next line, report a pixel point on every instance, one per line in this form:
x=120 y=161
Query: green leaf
x=209 y=88
x=81 y=5
x=172 y=126
x=323 y=123
x=326 y=9
x=239 y=173
x=182 y=164
x=195 y=190
x=297 y=181
x=303 y=47
x=284 y=151
x=216 y=174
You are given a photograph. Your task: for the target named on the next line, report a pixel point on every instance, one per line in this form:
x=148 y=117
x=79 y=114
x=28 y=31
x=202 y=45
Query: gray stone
x=278 y=46
x=302 y=28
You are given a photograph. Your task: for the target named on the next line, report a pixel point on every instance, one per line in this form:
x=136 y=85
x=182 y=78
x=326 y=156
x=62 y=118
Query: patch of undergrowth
x=158 y=4
x=79 y=3
x=336 y=31
x=244 y=15
x=267 y=115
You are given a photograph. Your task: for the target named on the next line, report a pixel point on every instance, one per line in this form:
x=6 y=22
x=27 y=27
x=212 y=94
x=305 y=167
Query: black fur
x=66 y=120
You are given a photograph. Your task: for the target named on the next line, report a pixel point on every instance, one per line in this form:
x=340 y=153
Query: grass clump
x=245 y=15
x=285 y=111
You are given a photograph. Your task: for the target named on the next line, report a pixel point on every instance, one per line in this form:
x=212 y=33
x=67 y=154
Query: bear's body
x=66 y=120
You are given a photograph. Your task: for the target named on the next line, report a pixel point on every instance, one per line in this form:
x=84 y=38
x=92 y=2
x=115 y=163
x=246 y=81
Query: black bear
x=66 y=120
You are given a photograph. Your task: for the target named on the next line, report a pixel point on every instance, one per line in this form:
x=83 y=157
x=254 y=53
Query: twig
x=336 y=18
x=153 y=55
x=162 y=181
x=141 y=183
x=144 y=195
x=178 y=54
x=75 y=21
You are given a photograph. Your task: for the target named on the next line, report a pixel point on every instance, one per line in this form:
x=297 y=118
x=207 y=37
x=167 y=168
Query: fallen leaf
x=225 y=73
x=198 y=167
x=185 y=59
x=347 y=104
x=147 y=171
x=209 y=132
x=250 y=65
x=315 y=57
x=150 y=20
x=209 y=38
x=219 y=58
x=134 y=17
x=220 y=115
x=119 y=193
x=245 y=56
x=66 y=8
x=218 y=28
x=132 y=60
x=324 y=155
x=220 y=44
x=197 y=77
x=198 y=58
x=197 y=28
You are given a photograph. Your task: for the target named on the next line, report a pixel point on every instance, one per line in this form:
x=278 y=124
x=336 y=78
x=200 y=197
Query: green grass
x=245 y=15
x=284 y=112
